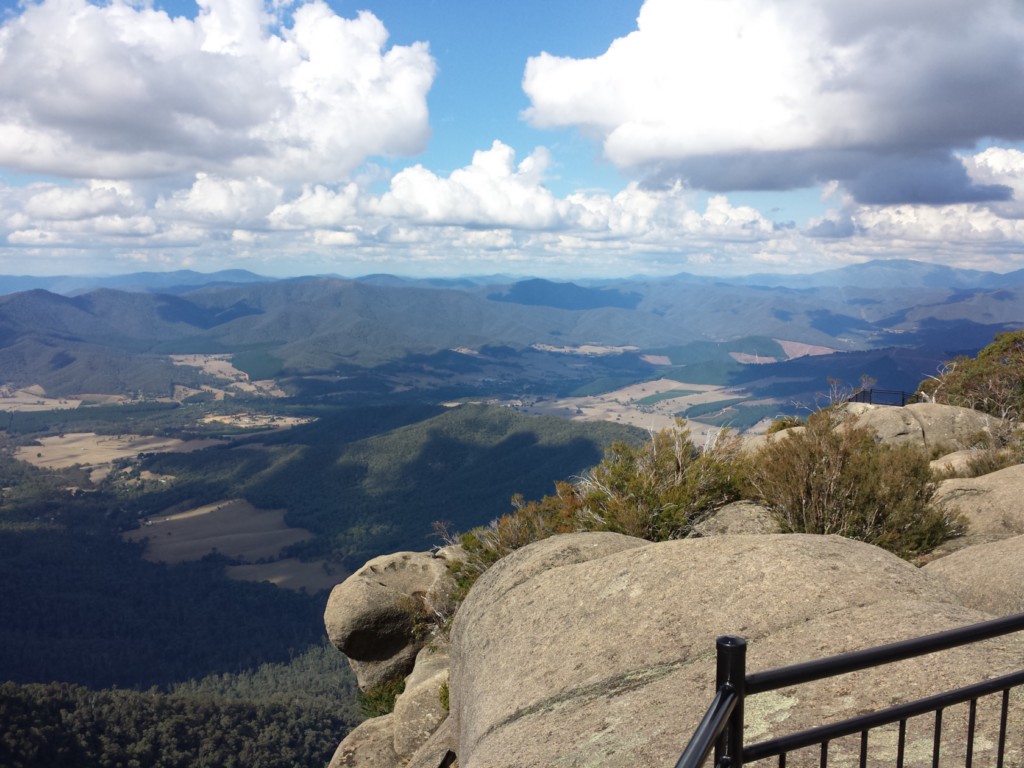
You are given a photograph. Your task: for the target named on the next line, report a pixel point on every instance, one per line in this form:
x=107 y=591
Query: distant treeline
x=58 y=725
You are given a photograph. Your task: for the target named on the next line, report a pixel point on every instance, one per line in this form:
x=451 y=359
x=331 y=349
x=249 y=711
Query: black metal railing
x=881 y=397
x=721 y=730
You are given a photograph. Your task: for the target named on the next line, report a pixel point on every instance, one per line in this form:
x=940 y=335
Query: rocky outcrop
x=371 y=617
x=369 y=745
x=611 y=658
x=378 y=617
x=422 y=706
x=988 y=577
x=991 y=504
x=597 y=649
x=940 y=429
x=932 y=426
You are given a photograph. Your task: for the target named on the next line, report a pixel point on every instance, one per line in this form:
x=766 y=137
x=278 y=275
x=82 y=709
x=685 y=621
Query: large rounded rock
x=736 y=518
x=955 y=464
x=373 y=616
x=932 y=426
x=988 y=577
x=991 y=504
x=610 y=661
x=554 y=552
x=369 y=745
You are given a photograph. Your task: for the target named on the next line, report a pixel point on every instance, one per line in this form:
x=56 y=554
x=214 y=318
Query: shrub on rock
x=833 y=477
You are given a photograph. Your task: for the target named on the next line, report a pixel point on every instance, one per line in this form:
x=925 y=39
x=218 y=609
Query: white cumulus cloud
x=126 y=91
x=492 y=191
x=222 y=202
x=778 y=94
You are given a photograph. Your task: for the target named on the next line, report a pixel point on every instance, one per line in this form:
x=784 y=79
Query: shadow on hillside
x=384 y=494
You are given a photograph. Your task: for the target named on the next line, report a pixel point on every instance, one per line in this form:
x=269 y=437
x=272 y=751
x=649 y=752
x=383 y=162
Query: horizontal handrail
x=809 y=671
x=853 y=725
x=880 y=396
x=721 y=728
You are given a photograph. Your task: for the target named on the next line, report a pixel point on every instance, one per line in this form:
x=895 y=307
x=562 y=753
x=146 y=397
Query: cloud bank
x=761 y=94
x=265 y=135
x=119 y=91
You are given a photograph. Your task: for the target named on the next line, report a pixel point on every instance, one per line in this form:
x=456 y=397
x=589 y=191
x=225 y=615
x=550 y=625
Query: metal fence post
x=731 y=670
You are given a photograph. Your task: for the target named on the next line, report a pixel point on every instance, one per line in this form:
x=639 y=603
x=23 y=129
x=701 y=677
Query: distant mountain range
x=110 y=334
x=166 y=282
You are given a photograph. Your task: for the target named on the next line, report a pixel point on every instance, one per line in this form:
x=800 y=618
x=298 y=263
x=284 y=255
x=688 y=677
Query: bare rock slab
x=369 y=745
x=610 y=661
x=988 y=577
x=991 y=503
x=736 y=518
x=418 y=709
x=929 y=425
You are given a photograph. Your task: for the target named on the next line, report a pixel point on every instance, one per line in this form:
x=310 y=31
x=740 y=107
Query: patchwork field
x=32 y=399
x=256 y=421
x=221 y=367
x=240 y=531
x=649 y=405
x=100 y=451
x=215 y=365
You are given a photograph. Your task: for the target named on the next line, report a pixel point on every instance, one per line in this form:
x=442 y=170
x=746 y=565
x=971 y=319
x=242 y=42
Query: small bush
x=992 y=382
x=834 y=477
x=989 y=460
x=784 y=422
x=379 y=699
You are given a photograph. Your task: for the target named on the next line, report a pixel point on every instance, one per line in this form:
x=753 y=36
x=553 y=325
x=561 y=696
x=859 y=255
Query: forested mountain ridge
x=322 y=325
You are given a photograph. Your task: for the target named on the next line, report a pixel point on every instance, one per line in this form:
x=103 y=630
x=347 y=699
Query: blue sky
x=562 y=138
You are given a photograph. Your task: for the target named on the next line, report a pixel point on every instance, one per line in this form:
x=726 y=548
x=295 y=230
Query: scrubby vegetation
x=992 y=382
x=380 y=699
x=834 y=477
x=827 y=477
x=657 y=490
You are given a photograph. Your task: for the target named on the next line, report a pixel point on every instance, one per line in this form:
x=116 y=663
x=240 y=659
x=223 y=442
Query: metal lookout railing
x=721 y=730
x=881 y=397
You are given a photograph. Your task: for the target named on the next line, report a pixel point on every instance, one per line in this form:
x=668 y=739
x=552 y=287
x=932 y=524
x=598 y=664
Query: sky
x=553 y=138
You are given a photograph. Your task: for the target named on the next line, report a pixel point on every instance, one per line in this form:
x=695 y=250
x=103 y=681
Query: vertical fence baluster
x=972 y=722
x=824 y=754
x=901 y=747
x=782 y=760
x=863 y=749
x=937 y=744
x=731 y=670
x=1002 y=728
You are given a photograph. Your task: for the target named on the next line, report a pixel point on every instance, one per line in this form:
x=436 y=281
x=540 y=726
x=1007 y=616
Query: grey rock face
x=610 y=661
x=988 y=577
x=738 y=517
x=370 y=616
x=945 y=428
x=436 y=752
x=555 y=552
x=929 y=425
x=991 y=503
x=369 y=745
x=418 y=710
